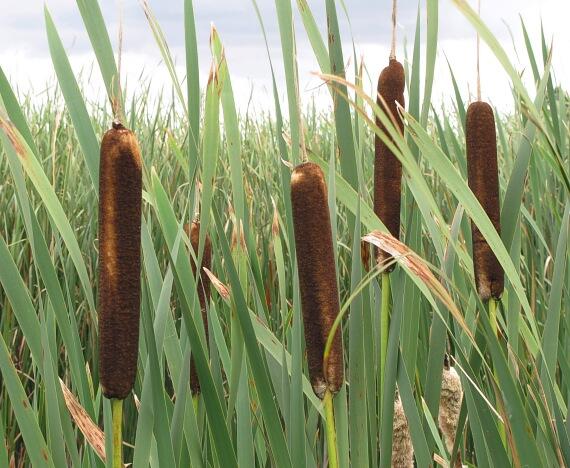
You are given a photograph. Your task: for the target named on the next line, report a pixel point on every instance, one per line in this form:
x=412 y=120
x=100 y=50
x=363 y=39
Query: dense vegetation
x=257 y=407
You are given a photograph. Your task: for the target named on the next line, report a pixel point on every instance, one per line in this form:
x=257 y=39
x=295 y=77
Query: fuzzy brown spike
x=483 y=178
x=202 y=285
x=120 y=198
x=317 y=275
x=387 y=167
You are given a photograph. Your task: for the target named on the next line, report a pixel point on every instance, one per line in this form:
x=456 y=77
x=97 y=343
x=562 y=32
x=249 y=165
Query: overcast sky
x=24 y=54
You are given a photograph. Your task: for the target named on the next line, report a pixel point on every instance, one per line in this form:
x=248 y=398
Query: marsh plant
x=279 y=347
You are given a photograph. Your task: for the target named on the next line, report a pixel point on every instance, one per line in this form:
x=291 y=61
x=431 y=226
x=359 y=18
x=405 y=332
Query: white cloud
x=25 y=57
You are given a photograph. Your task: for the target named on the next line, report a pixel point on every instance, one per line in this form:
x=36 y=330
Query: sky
x=24 y=54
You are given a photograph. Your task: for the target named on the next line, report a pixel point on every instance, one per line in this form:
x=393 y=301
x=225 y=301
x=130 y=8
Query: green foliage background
x=257 y=407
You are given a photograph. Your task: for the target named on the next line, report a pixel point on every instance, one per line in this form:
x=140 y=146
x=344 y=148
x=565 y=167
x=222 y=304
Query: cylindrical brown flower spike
x=317 y=276
x=120 y=197
x=387 y=167
x=202 y=286
x=483 y=178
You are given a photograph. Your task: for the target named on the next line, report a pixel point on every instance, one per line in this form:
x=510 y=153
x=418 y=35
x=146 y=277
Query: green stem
x=384 y=326
x=117 y=409
x=331 y=431
x=195 y=399
x=493 y=316
x=495 y=327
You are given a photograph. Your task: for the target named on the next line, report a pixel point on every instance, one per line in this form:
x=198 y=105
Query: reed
x=483 y=175
x=387 y=167
x=202 y=286
x=317 y=276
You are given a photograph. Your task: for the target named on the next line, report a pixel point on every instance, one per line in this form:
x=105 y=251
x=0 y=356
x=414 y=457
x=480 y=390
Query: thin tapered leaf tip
x=418 y=267
x=275 y=223
x=223 y=290
x=214 y=36
x=92 y=433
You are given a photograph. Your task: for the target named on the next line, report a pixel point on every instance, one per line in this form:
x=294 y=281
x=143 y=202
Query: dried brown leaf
x=12 y=134
x=416 y=265
x=222 y=289
x=92 y=433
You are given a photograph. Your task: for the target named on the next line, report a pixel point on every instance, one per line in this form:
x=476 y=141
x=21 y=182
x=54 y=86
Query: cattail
x=387 y=167
x=365 y=255
x=202 y=286
x=120 y=197
x=483 y=178
x=402 y=449
x=449 y=405
x=317 y=276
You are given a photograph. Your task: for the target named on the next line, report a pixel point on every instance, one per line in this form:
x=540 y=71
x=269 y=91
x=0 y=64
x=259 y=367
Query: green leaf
x=74 y=100
x=13 y=141
x=99 y=37
x=36 y=447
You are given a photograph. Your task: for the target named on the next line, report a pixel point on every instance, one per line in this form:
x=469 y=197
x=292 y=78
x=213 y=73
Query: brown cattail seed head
x=202 y=286
x=450 y=405
x=483 y=178
x=402 y=449
x=387 y=167
x=120 y=197
x=365 y=255
x=317 y=275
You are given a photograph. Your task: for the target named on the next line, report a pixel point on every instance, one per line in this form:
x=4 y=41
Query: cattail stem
x=478 y=56
x=195 y=399
x=117 y=99
x=331 y=430
x=117 y=410
x=492 y=311
x=394 y=15
x=493 y=316
x=384 y=326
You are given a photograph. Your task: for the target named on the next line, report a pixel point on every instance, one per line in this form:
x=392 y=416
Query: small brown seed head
x=202 y=286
